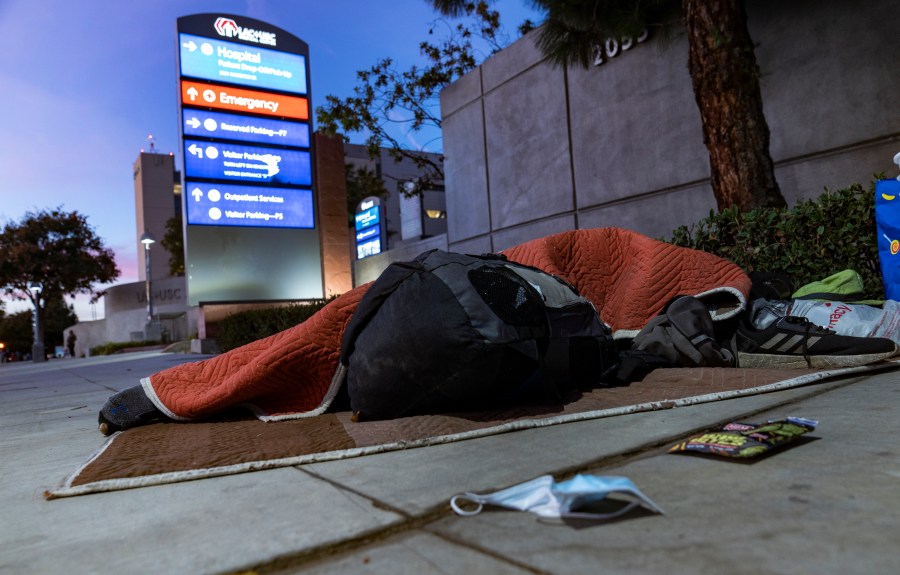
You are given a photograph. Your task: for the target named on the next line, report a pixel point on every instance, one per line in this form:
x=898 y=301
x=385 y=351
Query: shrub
x=244 y=327
x=811 y=241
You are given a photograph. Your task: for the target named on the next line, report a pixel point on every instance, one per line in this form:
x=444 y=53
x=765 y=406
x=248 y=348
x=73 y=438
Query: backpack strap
x=691 y=320
x=634 y=365
x=683 y=335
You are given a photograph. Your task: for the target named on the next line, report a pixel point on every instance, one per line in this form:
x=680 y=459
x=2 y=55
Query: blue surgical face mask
x=545 y=498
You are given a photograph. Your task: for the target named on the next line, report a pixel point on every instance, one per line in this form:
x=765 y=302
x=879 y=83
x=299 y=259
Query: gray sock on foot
x=128 y=408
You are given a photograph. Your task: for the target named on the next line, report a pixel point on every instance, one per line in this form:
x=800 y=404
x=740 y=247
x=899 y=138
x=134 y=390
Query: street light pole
x=151 y=329
x=147 y=239
x=37 y=347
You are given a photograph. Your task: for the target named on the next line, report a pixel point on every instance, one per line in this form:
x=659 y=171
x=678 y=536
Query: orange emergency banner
x=240 y=100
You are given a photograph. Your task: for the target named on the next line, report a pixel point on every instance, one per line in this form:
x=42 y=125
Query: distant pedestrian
x=70 y=343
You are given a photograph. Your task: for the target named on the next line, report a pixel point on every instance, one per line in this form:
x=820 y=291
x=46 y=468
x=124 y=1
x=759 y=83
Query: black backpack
x=457 y=332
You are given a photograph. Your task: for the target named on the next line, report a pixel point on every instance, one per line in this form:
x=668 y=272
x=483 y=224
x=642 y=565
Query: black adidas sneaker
x=793 y=342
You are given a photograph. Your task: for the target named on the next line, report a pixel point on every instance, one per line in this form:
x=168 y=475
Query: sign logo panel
x=229 y=28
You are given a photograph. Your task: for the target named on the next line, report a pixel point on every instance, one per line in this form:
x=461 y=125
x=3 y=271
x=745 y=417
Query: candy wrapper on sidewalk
x=743 y=440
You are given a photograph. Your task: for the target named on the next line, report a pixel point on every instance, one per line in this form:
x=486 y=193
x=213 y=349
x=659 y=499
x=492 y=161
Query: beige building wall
x=157 y=192
x=533 y=149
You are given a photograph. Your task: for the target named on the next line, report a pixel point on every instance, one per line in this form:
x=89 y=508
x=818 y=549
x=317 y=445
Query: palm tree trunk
x=725 y=78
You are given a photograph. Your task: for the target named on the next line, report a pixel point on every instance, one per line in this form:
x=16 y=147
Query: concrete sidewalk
x=831 y=504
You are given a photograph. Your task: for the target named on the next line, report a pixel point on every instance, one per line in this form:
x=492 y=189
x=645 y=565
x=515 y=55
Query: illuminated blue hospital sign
x=208 y=124
x=211 y=59
x=367 y=218
x=230 y=205
x=368 y=234
x=368 y=228
x=224 y=161
x=251 y=225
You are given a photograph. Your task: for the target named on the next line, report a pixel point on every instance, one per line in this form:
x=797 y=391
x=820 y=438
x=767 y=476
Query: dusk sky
x=84 y=82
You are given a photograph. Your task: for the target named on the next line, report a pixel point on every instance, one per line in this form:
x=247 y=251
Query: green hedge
x=810 y=241
x=247 y=326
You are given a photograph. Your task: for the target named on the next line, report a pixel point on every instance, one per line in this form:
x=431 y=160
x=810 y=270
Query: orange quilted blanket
x=628 y=277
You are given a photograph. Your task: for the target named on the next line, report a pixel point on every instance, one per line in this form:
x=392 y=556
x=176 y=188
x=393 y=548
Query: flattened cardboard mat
x=237 y=443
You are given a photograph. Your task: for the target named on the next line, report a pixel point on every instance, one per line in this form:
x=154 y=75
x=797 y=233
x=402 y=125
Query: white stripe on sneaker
x=790 y=344
x=774 y=341
x=781 y=343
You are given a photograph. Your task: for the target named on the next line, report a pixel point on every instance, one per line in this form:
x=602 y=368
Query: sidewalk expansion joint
x=660 y=446
x=409 y=523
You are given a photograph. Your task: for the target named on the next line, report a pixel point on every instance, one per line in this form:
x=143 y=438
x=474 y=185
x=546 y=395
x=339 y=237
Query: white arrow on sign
x=197 y=194
x=190 y=45
x=193 y=122
x=196 y=151
x=192 y=92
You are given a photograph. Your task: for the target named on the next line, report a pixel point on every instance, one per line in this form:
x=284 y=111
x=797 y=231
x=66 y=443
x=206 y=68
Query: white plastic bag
x=851 y=319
